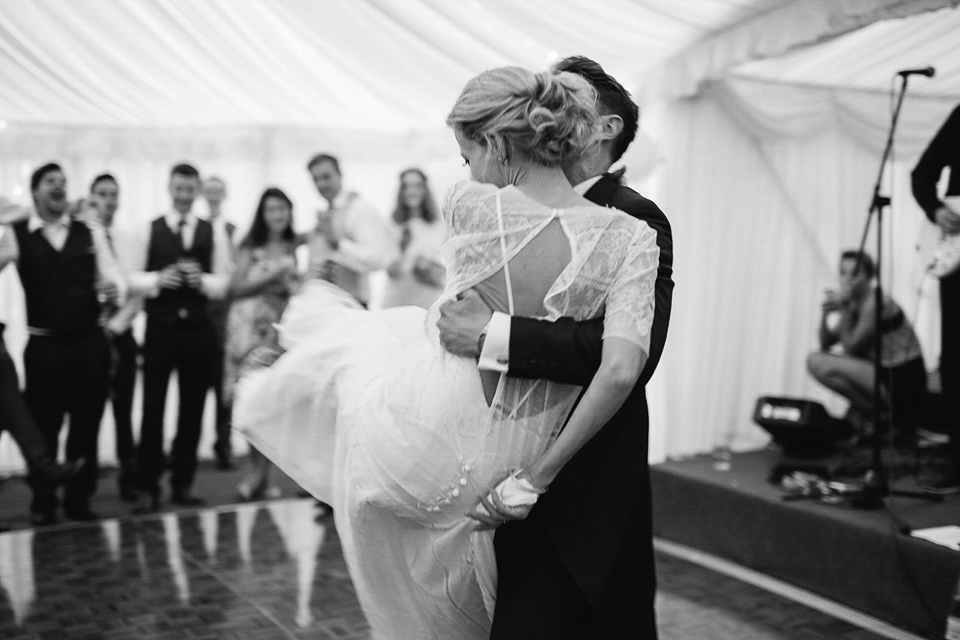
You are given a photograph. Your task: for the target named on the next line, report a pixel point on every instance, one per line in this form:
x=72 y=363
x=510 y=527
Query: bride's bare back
x=533 y=270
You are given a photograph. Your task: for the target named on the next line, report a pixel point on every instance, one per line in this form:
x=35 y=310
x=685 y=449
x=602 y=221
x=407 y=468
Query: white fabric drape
x=765 y=185
x=787 y=26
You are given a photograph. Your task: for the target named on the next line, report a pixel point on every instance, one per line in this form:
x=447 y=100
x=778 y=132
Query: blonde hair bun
x=544 y=116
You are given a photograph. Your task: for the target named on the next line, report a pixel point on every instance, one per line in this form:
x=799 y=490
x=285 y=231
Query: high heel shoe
x=248 y=491
x=147 y=502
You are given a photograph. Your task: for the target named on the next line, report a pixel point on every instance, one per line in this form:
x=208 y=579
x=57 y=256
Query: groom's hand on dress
x=461 y=322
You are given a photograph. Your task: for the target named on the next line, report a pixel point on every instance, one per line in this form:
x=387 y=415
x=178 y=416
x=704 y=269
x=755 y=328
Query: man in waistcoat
x=66 y=270
x=117 y=323
x=183 y=263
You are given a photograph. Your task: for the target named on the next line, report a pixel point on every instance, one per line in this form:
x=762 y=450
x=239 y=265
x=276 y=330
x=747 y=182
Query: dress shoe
x=43 y=518
x=80 y=512
x=48 y=473
x=184 y=498
x=147 y=502
x=127 y=487
x=128 y=492
x=127 y=482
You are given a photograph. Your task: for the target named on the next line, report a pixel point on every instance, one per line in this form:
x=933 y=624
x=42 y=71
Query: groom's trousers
x=538 y=598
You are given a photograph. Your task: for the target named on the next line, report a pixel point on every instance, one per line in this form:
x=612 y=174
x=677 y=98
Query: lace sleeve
x=452 y=202
x=630 y=301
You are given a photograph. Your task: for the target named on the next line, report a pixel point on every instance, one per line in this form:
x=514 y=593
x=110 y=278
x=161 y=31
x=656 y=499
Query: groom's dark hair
x=612 y=98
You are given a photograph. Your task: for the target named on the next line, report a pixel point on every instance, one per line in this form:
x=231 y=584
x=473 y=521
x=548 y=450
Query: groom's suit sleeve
x=567 y=351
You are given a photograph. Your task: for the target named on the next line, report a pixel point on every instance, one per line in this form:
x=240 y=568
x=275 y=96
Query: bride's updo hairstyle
x=546 y=117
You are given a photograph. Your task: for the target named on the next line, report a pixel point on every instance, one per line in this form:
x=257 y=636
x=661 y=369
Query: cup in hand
x=187 y=267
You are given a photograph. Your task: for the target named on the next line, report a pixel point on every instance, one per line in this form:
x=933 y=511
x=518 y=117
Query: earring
x=504 y=159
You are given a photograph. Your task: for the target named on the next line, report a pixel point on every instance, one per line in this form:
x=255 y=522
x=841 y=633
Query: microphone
x=926 y=71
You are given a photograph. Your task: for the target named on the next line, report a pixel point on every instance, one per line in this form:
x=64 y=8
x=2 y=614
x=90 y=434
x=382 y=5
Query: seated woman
x=845 y=363
x=368 y=412
x=417 y=276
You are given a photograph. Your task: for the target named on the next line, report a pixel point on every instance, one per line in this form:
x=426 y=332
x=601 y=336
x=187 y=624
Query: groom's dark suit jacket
x=597 y=512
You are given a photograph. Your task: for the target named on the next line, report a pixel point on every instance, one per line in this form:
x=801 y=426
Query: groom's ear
x=611 y=125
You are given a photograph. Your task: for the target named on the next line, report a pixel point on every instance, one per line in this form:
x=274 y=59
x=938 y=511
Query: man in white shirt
x=215 y=192
x=117 y=323
x=181 y=264
x=67 y=271
x=351 y=239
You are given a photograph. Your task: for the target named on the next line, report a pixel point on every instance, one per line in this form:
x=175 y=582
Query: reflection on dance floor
x=270 y=571
x=247 y=571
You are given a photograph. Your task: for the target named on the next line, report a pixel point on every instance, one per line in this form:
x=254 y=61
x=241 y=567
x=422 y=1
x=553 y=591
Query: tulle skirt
x=367 y=412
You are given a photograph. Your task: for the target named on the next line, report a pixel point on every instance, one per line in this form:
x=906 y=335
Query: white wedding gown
x=367 y=411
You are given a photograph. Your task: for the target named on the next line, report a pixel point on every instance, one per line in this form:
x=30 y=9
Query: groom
x=581 y=564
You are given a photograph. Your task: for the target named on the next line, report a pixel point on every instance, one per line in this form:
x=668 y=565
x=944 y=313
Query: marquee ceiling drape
x=375 y=64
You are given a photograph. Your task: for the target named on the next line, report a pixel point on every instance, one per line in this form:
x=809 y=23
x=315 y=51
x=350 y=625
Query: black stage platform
x=855 y=557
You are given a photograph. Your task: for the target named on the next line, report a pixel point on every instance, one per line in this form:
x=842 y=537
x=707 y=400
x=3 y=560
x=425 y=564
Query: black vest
x=184 y=304
x=59 y=286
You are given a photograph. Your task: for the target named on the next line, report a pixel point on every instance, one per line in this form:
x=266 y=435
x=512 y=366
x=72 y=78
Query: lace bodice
x=613 y=264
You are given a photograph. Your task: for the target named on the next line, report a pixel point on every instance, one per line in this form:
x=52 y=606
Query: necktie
x=182 y=232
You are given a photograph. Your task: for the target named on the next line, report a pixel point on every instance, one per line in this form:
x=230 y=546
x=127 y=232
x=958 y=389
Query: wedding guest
x=43 y=473
x=65 y=267
x=265 y=277
x=417 y=275
x=215 y=192
x=117 y=323
x=181 y=264
x=351 y=239
x=845 y=362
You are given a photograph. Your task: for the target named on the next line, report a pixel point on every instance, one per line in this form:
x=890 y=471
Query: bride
x=367 y=412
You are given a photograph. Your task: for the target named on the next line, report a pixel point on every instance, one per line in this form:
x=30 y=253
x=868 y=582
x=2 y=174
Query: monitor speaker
x=802 y=428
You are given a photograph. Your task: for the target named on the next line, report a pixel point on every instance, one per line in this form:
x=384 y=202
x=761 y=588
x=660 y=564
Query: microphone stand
x=876 y=486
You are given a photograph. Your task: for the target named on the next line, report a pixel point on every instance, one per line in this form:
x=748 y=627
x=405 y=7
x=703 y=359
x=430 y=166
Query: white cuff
x=495 y=355
x=517 y=492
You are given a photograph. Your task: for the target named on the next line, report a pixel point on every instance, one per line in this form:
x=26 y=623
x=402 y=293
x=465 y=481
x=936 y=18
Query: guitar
x=941 y=256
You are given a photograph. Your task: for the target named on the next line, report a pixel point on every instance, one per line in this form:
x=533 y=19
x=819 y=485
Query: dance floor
x=273 y=570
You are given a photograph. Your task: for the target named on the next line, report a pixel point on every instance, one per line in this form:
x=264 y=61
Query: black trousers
x=950 y=360
x=222 y=419
x=187 y=348
x=122 y=383
x=539 y=599
x=68 y=376
x=15 y=417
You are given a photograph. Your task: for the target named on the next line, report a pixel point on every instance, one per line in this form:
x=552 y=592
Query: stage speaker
x=802 y=428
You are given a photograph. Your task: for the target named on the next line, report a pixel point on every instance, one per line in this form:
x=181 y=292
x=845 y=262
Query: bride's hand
x=520 y=491
x=491 y=512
